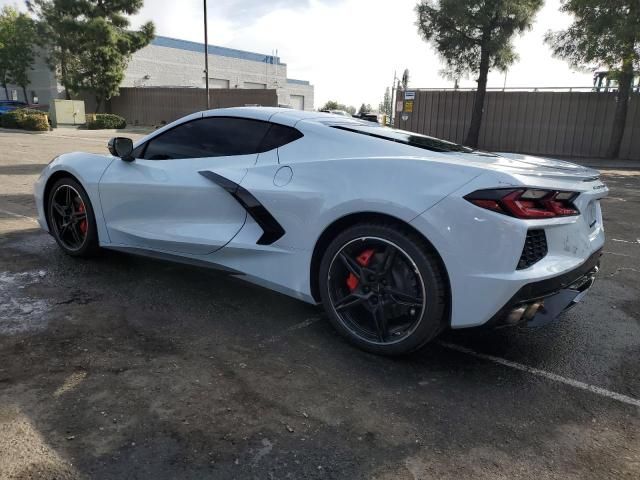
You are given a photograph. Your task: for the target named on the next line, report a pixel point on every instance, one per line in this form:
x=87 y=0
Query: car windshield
x=404 y=137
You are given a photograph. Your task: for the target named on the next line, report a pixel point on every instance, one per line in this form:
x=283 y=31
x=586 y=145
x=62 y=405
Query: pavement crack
x=78 y=298
x=618 y=270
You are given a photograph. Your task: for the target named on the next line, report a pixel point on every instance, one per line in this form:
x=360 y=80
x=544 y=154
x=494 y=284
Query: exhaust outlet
x=515 y=316
x=523 y=313
x=531 y=310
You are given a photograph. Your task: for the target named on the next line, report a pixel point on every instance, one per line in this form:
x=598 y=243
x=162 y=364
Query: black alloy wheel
x=385 y=293
x=376 y=290
x=71 y=219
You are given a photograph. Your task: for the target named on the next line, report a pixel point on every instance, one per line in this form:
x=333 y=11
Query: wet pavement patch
x=20 y=312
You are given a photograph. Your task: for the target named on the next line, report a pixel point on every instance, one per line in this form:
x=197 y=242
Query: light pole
x=393 y=98
x=206 y=56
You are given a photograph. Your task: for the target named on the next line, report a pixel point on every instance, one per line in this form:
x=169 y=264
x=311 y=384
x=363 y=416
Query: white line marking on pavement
x=626 y=241
x=17 y=215
x=548 y=375
x=619 y=254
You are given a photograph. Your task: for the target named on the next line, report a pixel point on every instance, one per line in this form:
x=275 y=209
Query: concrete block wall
x=304 y=90
x=161 y=66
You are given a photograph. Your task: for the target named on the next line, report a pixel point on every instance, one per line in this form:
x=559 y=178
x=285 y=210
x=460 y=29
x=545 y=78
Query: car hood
x=521 y=164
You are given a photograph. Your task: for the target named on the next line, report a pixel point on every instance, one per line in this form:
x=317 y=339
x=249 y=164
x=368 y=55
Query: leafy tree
x=108 y=48
x=606 y=32
x=385 y=106
x=97 y=59
x=59 y=29
x=17 y=42
x=4 y=54
x=330 y=105
x=405 y=79
x=473 y=37
x=333 y=105
x=364 y=109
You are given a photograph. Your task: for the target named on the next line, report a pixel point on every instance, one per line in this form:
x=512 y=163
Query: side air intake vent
x=535 y=249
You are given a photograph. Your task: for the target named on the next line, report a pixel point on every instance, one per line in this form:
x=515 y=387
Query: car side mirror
x=121 y=147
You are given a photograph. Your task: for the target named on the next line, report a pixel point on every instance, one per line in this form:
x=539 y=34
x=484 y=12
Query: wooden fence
x=566 y=124
x=155 y=106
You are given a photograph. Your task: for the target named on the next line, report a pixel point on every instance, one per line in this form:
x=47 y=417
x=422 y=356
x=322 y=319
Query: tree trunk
x=63 y=80
x=24 y=92
x=622 y=105
x=6 y=91
x=98 y=103
x=478 y=102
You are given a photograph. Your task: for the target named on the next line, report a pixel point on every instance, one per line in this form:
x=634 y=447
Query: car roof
x=285 y=116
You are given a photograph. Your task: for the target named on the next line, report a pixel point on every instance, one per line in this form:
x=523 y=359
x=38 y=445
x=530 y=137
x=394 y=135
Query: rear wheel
x=383 y=288
x=71 y=219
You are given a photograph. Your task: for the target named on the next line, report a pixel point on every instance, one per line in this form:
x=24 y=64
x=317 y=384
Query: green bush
x=26 y=118
x=106 y=121
x=11 y=119
x=34 y=121
x=35 y=111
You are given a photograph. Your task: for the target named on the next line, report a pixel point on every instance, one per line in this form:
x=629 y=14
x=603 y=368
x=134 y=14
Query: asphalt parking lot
x=123 y=367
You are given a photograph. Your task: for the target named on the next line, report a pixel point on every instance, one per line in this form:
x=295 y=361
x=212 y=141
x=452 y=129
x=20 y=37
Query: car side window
x=278 y=136
x=208 y=137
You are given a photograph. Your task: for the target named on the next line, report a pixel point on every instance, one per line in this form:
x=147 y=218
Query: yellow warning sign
x=408 y=106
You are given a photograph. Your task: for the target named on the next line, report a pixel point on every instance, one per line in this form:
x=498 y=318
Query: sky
x=350 y=49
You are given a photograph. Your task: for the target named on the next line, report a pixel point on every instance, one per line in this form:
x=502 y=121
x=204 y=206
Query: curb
x=28 y=132
x=611 y=165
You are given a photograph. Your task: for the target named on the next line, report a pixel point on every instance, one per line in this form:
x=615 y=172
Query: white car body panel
x=479 y=249
x=88 y=168
x=167 y=208
x=163 y=205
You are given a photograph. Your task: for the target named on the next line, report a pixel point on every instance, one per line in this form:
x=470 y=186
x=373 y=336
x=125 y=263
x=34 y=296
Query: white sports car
x=398 y=235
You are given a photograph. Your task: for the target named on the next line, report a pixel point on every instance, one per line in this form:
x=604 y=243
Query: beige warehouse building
x=169 y=62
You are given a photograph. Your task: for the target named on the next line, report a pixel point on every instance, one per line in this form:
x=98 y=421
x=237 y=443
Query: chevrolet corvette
x=398 y=235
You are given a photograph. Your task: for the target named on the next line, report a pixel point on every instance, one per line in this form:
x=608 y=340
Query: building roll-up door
x=297 y=102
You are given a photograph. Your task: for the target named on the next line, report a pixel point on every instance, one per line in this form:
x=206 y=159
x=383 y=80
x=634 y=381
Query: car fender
x=88 y=169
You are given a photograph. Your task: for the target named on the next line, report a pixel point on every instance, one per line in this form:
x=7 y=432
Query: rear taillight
x=526 y=203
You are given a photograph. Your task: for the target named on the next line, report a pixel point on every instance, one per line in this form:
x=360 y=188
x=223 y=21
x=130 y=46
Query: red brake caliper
x=363 y=259
x=83 y=223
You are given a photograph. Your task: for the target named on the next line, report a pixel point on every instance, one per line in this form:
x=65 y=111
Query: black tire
x=88 y=246
x=414 y=260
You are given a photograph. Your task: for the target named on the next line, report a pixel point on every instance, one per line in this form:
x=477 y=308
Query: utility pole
x=393 y=99
x=206 y=56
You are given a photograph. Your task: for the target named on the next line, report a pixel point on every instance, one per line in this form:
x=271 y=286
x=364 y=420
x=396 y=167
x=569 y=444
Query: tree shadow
x=22 y=169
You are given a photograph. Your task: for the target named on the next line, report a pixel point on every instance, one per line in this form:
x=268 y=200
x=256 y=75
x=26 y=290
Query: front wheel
x=71 y=219
x=383 y=288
